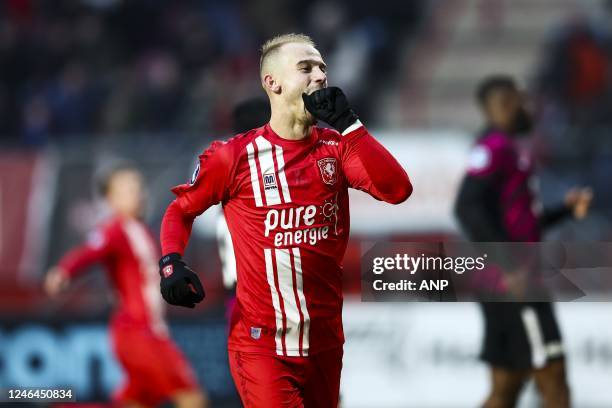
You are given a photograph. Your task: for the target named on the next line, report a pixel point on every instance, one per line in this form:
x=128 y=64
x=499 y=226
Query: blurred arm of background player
x=477 y=202
x=56 y=281
x=76 y=261
x=477 y=210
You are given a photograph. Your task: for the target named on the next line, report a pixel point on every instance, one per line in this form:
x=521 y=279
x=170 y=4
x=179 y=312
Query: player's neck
x=287 y=127
x=126 y=215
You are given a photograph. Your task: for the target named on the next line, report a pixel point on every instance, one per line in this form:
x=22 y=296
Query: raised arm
x=370 y=167
x=367 y=165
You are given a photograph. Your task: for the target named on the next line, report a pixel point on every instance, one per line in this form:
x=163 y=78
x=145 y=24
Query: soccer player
x=495 y=204
x=155 y=368
x=284 y=190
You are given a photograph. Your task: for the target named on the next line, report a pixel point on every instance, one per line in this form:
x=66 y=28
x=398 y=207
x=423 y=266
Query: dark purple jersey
x=497 y=158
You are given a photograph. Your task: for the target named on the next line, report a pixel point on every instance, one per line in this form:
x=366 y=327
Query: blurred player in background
x=496 y=204
x=284 y=189
x=249 y=114
x=155 y=368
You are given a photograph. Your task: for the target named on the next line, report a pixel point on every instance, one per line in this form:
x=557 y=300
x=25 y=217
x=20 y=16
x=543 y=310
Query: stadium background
x=85 y=83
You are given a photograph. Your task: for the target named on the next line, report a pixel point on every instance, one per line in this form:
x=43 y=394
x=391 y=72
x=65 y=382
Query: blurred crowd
x=71 y=68
x=575 y=76
x=573 y=89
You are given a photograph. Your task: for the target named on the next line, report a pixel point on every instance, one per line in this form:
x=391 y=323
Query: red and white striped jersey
x=128 y=252
x=287 y=209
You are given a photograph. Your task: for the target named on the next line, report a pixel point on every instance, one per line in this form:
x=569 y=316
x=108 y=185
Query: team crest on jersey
x=269 y=181
x=328 y=169
x=167 y=271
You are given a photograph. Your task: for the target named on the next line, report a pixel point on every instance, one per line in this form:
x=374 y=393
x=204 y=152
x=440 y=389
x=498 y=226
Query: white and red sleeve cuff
x=353 y=127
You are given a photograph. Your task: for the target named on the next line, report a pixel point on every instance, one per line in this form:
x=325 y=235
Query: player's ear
x=271 y=84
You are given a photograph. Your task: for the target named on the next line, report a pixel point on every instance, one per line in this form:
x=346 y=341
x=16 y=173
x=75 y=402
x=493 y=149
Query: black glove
x=331 y=106
x=179 y=285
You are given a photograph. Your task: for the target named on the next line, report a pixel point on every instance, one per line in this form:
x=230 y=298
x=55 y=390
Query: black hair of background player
x=523 y=122
x=492 y=83
x=250 y=114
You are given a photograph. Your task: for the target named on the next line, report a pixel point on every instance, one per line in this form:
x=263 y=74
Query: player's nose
x=319 y=76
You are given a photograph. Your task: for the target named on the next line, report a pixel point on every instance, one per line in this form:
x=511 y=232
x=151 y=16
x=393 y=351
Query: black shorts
x=520 y=335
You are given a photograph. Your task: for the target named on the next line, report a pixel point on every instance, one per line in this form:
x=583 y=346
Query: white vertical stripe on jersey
x=280 y=161
x=297 y=261
x=266 y=164
x=142 y=247
x=285 y=284
x=254 y=175
x=278 y=313
x=535 y=337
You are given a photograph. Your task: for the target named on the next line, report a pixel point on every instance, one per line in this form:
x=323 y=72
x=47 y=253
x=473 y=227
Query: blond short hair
x=272 y=46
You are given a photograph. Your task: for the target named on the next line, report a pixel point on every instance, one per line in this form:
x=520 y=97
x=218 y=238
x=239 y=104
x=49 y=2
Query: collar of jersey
x=276 y=139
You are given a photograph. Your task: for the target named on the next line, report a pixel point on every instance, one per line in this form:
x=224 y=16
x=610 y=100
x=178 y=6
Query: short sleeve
x=98 y=240
x=98 y=247
x=489 y=160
